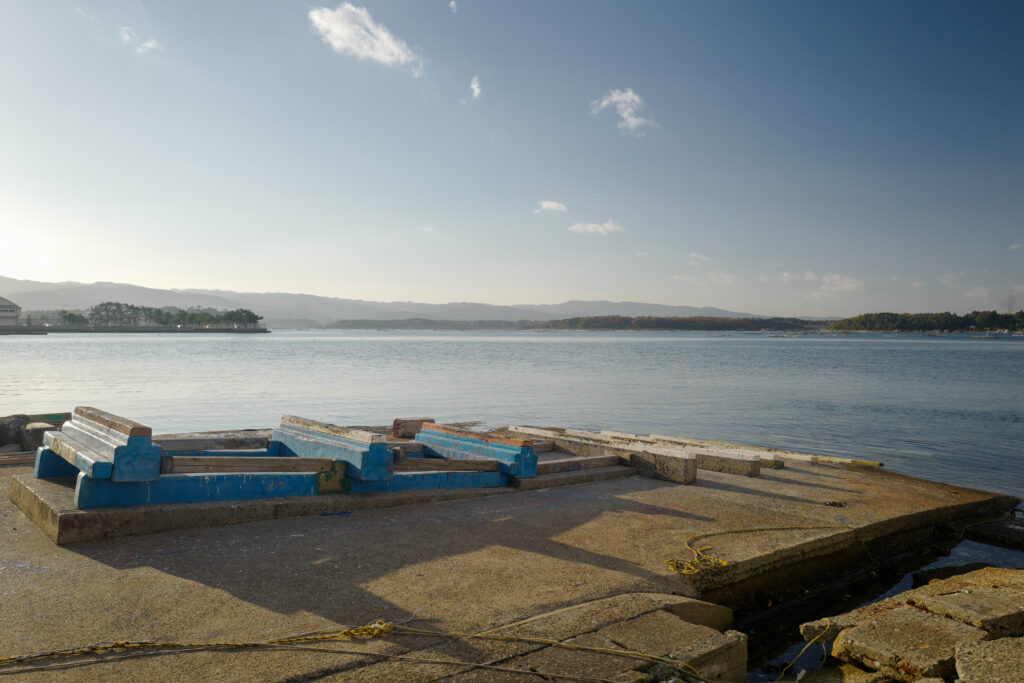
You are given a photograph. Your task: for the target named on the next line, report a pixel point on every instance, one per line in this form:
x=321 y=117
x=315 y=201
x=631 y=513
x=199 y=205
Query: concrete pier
x=449 y=563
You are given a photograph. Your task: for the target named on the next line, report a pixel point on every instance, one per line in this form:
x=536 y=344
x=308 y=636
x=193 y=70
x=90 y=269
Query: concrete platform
x=445 y=562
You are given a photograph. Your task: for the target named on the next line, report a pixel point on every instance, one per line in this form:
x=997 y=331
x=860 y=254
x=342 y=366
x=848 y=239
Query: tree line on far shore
x=116 y=314
x=933 y=322
x=694 y=324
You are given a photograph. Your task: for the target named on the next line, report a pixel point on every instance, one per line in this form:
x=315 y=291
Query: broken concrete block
x=845 y=673
x=670 y=464
x=729 y=463
x=987 y=577
x=998 y=611
x=715 y=656
x=703 y=613
x=408 y=427
x=993 y=661
x=905 y=643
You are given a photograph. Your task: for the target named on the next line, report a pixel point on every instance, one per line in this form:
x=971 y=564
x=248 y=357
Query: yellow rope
x=374 y=630
x=701 y=561
x=801 y=653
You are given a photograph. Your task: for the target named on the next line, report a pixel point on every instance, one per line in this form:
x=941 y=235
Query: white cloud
x=628 y=105
x=453 y=7
x=474 y=85
x=834 y=283
x=426 y=228
x=1016 y=246
x=351 y=29
x=698 y=259
x=714 y=279
x=548 y=205
x=596 y=228
x=130 y=37
x=149 y=45
x=916 y=284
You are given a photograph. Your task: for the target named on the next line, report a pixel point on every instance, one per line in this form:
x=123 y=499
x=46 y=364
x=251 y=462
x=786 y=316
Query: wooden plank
x=211 y=464
x=119 y=424
x=332 y=429
x=445 y=465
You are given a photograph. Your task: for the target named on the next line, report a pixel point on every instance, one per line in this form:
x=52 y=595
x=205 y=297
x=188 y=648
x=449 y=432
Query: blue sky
x=802 y=158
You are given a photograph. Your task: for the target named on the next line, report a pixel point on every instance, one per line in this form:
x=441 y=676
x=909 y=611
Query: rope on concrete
x=378 y=628
x=702 y=561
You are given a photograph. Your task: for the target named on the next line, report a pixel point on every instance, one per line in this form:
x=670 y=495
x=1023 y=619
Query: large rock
x=11 y=428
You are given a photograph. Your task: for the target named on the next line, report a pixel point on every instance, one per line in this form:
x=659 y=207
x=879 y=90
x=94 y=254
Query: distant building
x=9 y=312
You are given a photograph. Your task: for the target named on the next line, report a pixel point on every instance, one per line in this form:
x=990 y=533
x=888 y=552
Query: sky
x=779 y=158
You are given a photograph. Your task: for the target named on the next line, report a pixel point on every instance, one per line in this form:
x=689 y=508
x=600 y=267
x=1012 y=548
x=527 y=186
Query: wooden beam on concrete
x=212 y=464
x=18 y=458
x=446 y=465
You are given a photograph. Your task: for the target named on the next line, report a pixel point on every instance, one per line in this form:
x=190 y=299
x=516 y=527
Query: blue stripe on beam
x=192 y=488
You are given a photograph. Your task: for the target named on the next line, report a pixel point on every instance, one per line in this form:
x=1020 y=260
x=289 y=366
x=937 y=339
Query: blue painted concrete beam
x=517 y=459
x=366 y=461
x=192 y=488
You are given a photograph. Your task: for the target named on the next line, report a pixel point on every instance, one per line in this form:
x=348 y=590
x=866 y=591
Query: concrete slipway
x=459 y=565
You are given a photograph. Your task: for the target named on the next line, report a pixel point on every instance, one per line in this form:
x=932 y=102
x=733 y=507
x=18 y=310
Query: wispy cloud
x=608 y=226
x=1016 y=246
x=426 y=228
x=474 y=85
x=453 y=7
x=130 y=37
x=948 y=280
x=976 y=293
x=827 y=285
x=628 y=105
x=916 y=284
x=149 y=45
x=548 y=205
x=350 y=29
x=711 y=280
x=698 y=259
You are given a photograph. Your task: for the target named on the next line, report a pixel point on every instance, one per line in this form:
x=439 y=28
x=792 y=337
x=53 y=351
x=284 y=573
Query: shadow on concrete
x=392 y=563
x=735 y=488
x=790 y=481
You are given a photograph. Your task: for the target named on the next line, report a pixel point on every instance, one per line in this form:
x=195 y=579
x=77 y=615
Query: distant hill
x=281 y=309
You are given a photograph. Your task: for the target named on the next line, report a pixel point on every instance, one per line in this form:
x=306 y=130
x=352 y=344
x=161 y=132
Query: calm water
x=950 y=409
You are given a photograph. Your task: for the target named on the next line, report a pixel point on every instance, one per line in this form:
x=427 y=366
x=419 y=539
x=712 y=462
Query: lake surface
x=945 y=408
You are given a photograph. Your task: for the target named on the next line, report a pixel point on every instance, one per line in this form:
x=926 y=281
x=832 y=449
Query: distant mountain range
x=306 y=310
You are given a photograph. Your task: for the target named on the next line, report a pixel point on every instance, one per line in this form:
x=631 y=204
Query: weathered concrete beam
x=670 y=464
x=729 y=463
